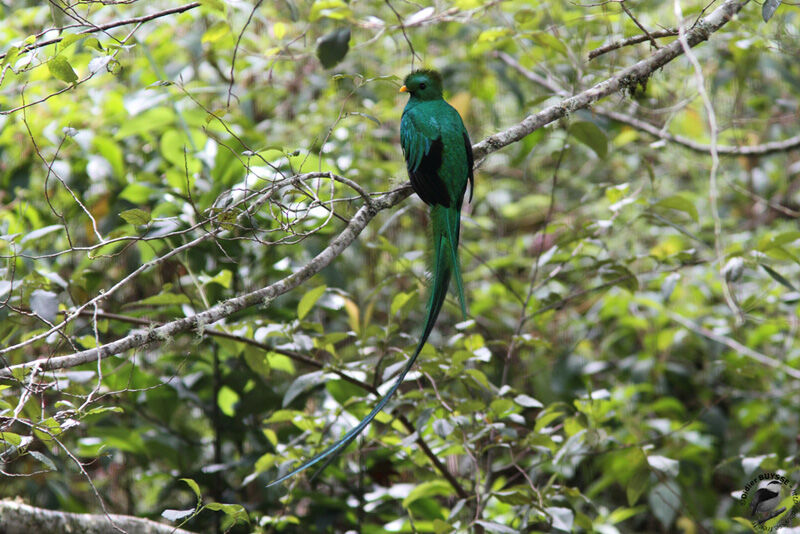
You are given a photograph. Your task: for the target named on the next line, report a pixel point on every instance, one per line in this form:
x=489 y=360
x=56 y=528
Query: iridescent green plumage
x=439 y=160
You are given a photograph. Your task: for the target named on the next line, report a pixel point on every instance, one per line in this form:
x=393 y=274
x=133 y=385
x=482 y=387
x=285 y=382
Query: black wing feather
x=425 y=179
x=470 y=164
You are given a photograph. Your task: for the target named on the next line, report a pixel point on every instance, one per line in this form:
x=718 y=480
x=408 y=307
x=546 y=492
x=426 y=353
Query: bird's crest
x=432 y=74
x=419 y=77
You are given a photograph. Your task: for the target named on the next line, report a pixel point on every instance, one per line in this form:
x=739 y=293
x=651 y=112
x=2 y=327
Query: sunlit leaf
x=135 y=216
x=60 y=68
x=309 y=299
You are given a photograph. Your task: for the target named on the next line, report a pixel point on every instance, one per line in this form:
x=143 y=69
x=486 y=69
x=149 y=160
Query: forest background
x=210 y=260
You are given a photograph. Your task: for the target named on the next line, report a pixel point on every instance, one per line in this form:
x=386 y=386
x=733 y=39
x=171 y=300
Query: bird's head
x=423 y=85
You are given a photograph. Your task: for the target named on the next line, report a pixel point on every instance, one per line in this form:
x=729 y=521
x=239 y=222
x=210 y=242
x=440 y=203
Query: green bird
x=439 y=160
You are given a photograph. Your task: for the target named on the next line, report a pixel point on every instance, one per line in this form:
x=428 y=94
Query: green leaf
x=11 y=57
x=778 y=277
x=279 y=30
x=494 y=34
x=165 y=299
x=300 y=385
x=441 y=527
x=332 y=9
x=519 y=495
x=257 y=360
x=549 y=41
x=590 y=135
x=490 y=526
x=217 y=5
x=136 y=216
x=105 y=409
x=44 y=459
x=622 y=514
x=400 y=300
x=226 y=400
x=479 y=377
x=308 y=301
x=178 y=148
x=680 y=202
x=110 y=149
x=549 y=415
x=527 y=402
x=60 y=68
x=234 y=511
x=431 y=488
x=216 y=32
x=637 y=484
x=223 y=278
x=332 y=48
x=779 y=240
x=195 y=487
x=10 y=437
x=92 y=42
x=136 y=193
x=279 y=362
x=68 y=40
x=622 y=275
x=665 y=502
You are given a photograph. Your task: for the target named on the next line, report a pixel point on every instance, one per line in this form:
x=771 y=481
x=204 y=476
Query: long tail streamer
x=445 y=230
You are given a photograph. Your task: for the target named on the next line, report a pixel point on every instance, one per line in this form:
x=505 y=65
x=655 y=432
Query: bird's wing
x=422 y=146
x=470 y=161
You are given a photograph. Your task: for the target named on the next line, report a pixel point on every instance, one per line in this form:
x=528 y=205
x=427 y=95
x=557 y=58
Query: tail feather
x=445 y=261
x=452 y=219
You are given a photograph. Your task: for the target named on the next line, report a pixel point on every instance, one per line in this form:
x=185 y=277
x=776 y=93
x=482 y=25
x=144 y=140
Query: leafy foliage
x=631 y=358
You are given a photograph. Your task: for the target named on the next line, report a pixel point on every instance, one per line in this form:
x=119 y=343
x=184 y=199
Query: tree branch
x=462 y=493
x=636 y=39
x=302 y=358
x=734 y=345
x=110 y=25
x=227 y=307
x=19 y=518
x=755 y=150
x=626 y=78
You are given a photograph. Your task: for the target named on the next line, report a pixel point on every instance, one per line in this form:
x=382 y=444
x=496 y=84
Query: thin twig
x=636 y=39
x=713 y=190
x=763 y=149
x=638 y=24
x=236 y=49
x=110 y=25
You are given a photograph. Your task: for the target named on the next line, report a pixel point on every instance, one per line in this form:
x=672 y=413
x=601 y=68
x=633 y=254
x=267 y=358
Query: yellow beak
x=404 y=89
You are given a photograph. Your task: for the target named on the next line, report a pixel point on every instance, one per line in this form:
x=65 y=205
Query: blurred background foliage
x=611 y=377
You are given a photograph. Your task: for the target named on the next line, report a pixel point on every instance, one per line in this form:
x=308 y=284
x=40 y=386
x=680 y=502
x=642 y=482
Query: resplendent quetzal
x=439 y=160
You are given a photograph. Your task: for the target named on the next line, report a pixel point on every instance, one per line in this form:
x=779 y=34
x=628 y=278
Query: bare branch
x=19 y=518
x=763 y=149
x=196 y=322
x=734 y=345
x=627 y=78
x=636 y=39
x=116 y=24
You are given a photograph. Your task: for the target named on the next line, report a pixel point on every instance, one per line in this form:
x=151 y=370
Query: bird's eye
x=422 y=86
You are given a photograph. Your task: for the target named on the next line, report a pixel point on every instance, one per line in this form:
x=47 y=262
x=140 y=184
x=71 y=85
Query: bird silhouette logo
x=766 y=501
x=766 y=498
